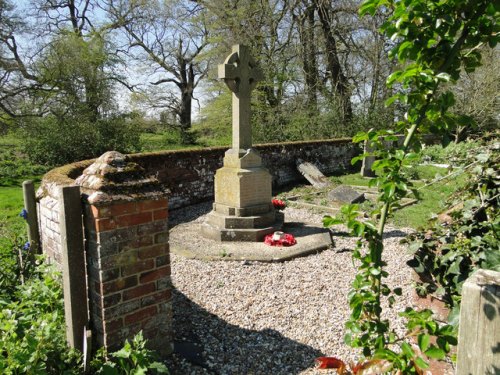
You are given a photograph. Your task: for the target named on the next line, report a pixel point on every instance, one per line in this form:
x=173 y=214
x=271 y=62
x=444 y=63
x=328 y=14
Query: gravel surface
x=272 y=318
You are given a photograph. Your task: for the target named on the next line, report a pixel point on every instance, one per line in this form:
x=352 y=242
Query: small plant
x=134 y=358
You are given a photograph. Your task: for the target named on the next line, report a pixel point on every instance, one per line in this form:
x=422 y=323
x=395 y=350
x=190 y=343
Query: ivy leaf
x=423 y=342
x=407 y=350
x=435 y=353
x=421 y=364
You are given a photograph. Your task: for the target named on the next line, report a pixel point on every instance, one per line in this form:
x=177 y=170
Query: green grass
x=151 y=142
x=432 y=197
x=11 y=204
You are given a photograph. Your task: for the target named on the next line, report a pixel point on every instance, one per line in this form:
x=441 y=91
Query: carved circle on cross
x=234 y=83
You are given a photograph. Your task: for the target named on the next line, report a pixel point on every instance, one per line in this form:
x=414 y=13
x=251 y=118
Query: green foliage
x=465 y=238
x=32 y=335
x=133 y=359
x=56 y=141
x=14 y=165
x=453 y=153
x=433 y=42
x=32 y=325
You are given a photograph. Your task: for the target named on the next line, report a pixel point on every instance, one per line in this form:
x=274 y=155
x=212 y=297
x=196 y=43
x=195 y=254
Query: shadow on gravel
x=187 y=214
x=213 y=346
x=395 y=233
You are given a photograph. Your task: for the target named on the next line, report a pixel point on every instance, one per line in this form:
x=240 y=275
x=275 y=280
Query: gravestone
x=312 y=174
x=346 y=194
x=242 y=210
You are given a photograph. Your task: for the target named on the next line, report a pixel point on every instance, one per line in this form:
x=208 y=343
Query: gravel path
x=272 y=318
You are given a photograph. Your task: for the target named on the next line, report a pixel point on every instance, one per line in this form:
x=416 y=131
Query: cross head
x=241 y=74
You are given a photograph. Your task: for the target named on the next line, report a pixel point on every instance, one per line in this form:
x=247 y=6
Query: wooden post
x=32 y=218
x=73 y=265
x=479 y=330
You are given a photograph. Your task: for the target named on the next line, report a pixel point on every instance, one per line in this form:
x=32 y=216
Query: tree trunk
x=340 y=86
x=308 y=52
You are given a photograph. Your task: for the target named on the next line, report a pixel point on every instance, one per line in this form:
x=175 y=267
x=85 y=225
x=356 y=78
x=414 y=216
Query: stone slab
x=312 y=174
x=346 y=194
x=186 y=240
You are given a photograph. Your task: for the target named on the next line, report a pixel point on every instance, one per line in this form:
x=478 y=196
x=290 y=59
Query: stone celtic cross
x=241 y=74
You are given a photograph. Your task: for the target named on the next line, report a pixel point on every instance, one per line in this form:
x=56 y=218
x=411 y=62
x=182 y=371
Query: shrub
x=53 y=141
x=32 y=335
x=464 y=238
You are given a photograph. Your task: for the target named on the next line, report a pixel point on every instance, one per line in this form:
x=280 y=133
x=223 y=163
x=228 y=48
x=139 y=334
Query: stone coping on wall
x=67 y=174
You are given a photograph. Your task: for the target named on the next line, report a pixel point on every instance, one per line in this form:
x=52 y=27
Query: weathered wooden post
x=479 y=330
x=32 y=218
x=73 y=265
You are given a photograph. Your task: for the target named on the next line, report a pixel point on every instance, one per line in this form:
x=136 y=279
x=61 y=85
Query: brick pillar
x=126 y=223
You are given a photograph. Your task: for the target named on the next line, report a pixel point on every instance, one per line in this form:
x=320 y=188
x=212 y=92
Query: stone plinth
x=242 y=210
x=126 y=225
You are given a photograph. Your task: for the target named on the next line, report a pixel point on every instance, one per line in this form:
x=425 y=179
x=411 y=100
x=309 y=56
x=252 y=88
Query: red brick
x=140 y=315
x=138 y=267
x=133 y=219
x=113 y=325
x=160 y=297
x=139 y=291
x=152 y=251
x=147 y=277
x=161 y=237
x=105 y=224
x=152 y=205
x=160 y=214
x=122 y=208
x=111 y=300
x=100 y=212
x=117 y=285
x=162 y=260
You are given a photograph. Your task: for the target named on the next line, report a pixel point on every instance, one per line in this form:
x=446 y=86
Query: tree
x=167 y=39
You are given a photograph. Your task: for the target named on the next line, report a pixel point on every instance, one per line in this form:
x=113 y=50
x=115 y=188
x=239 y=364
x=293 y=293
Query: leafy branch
x=435 y=41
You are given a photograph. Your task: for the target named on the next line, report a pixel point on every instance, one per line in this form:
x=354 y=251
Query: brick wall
x=189 y=175
x=50 y=234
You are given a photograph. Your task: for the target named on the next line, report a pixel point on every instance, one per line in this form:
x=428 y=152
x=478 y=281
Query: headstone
x=242 y=210
x=366 y=166
x=346 y=194
x=312 y=174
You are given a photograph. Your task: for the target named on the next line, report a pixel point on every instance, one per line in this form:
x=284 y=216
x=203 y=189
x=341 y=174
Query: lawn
x=433 y=194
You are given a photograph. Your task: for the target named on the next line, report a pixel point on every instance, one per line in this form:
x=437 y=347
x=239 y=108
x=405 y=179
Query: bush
x=32 y=325
x=453 y=153
x=32 y=335
x=464 y=238
x=52 y=141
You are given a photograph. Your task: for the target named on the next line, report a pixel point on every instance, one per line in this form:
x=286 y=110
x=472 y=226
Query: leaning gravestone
x=242 y=210
x=312 y=174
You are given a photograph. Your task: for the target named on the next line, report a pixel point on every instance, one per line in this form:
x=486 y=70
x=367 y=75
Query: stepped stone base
x=242 y=210
x=251 y=228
